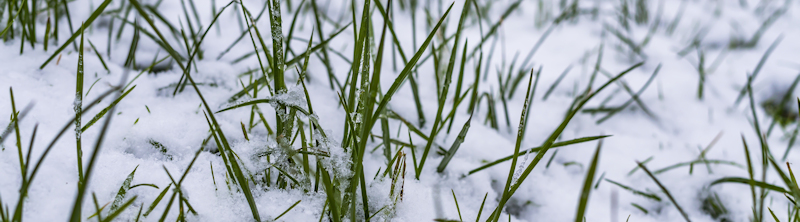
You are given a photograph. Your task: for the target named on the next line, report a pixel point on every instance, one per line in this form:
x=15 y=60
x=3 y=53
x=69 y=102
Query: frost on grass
x=77 y=103
x=277 y=33
x=355 y=117
x=518 y=172
x=520 y=132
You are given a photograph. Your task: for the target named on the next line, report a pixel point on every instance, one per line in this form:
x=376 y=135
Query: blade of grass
x=22 y=165
x=555 y=84
x=749 y=182
x=587 y=185
x=457 y=208
x=333 y=195
x=78 y=112
x=757 y=70
x=286 y=211
x=636 y=192
x=105 y=110
x=537 y=149
x=157 y=200
x=126 y=185
x=98 y=55
x=704 y=161
x=454 y=148
x=15 y=119
x=683 y=213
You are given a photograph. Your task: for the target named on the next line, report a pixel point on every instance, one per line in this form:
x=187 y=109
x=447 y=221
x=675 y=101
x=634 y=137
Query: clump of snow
x=256 y=150
x=338 y=162
x=294 y=96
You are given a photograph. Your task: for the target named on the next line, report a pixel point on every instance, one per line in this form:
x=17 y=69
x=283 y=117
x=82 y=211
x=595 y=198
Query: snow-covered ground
x=679 y=128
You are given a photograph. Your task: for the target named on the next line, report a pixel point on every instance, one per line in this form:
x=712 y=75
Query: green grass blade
x=793 y=189
x=457 y=207
x=537 y=149
x=105 y=110
x=555 y=84
x=478 y=218
x=748 y=182
x=46 y=35
x=454 y=148
x=750 y=174
x=287 y=210
x=773 y=215
x=126 y=185
x=636 y=192
x=683 y=213
x=760 y=64
x=333 y=195
x=78 y=112
x=587 y=185
x=157 y=200
x=98 y=56
x=22 y=165
x=704 y=161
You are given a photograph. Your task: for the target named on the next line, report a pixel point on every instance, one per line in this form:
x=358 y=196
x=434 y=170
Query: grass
x=579 y=103
x=587 y=185
x=307 y=159
x=666 y=192
x=78 y=129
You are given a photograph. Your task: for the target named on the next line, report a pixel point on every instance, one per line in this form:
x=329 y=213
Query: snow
x=682 y=127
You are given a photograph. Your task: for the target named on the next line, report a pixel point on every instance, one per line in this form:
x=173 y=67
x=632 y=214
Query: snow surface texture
x=681 y=125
